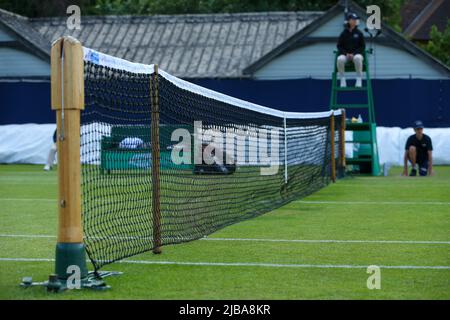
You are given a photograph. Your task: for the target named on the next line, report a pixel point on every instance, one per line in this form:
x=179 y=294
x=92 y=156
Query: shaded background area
x=398 y=101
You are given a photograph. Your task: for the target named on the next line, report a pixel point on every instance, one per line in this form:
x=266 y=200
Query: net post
x=342 y=163
x=156 y=209
x=332 y=136
x=67 y=99
x=285 y=153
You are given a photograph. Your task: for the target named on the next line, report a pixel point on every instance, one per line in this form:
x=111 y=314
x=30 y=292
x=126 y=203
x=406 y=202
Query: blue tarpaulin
x=398 y=102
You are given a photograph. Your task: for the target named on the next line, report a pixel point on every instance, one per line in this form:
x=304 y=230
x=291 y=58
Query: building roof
x=196 y=45
x=26 y=35
x=189 y=46
x=410 y=10
x=418 y=16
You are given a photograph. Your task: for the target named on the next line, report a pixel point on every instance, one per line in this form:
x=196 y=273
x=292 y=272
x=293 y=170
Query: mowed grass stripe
x=293 y=221
x=140 y=281
x=325 y=241
x=406 y=203
x=264 y=252
x=412 y=203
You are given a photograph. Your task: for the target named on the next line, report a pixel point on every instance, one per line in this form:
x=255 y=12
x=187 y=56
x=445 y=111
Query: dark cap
x=418 y=124
x=353 y=16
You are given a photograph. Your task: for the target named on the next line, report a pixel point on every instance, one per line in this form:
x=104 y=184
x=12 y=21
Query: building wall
x=17 y=62
x=334 y=26
x=4 y=36
x=316 y=60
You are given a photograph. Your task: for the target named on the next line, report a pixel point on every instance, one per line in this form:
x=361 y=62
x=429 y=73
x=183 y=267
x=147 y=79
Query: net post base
x=69 y=255
x=157 y=250
x=93 y=281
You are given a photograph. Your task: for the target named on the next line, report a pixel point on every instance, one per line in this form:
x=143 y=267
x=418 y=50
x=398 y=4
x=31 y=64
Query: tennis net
x=165 y=161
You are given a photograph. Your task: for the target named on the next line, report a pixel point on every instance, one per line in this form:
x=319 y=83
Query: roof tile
x=194 y=45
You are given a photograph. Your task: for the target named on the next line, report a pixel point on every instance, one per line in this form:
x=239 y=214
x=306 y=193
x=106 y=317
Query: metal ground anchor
x=93 y=281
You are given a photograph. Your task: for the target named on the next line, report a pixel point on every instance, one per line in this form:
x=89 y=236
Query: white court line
x=376 y=202
x=27 y=199
x=32 y=236
x=27 y=259
x=245 y=264
x=16 y=183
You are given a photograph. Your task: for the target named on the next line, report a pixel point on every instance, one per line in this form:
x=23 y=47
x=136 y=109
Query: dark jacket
x=351 y=42
x=422 y=147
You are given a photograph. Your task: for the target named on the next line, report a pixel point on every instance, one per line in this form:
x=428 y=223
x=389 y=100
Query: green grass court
x=318 y=247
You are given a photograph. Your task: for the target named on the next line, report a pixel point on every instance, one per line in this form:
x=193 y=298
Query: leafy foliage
x=439 y=45
x=36 y=8
x=390 y=10
x=45 y=8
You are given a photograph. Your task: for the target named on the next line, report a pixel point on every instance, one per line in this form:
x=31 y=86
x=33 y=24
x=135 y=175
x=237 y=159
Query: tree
x=118 y=7
x=439 y=44
x=206 y=6
x=37 y=8
x=44 y=8
x=390 y=10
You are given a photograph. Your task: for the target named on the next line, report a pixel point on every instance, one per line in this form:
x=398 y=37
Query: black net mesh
x=219 y=163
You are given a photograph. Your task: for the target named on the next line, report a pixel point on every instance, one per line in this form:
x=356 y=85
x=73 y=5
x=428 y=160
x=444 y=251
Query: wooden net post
x=342 y=163
x=156 y=209
x=333 y=155
x=67 y=97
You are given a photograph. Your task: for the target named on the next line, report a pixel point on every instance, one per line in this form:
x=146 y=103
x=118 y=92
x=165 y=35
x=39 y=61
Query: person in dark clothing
x=51 y=154
x=419 y=150
x=351 y=46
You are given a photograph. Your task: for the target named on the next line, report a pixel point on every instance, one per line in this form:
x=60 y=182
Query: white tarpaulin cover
x=391 y=144
x=25 y=143
x=30 y=143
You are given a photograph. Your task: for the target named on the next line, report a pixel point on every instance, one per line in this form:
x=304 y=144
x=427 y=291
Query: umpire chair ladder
x=365 y=159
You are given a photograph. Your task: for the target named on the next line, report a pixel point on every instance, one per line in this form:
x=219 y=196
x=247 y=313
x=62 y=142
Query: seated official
x=351 y=46
x=419 y=151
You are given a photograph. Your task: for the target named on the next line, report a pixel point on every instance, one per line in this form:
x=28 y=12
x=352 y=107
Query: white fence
x=30 y=143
